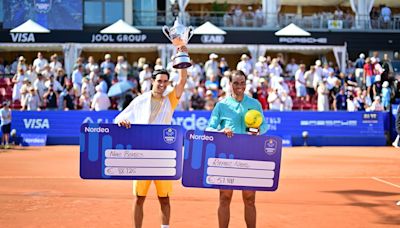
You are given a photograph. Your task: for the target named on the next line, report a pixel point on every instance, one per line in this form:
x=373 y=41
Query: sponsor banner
x=51 y=14
x=111 y=152
x=244 y=162
x=61 y=126
x=34 y=139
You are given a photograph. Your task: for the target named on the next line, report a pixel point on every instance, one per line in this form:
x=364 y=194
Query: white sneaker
x=398 y=203
x=395 y=144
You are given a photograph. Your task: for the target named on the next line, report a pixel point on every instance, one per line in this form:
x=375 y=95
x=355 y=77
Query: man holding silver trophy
x=162 y=108
x=237 y=114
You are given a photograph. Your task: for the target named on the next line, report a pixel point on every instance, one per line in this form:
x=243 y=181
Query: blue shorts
x=369 y=80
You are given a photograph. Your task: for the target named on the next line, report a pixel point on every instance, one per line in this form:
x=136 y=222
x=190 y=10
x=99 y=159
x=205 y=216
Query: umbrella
x=120 y=88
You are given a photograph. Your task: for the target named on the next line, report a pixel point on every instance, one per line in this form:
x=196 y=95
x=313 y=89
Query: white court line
x=386 y=182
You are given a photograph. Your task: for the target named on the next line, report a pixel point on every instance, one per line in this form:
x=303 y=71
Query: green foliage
x=219 y=7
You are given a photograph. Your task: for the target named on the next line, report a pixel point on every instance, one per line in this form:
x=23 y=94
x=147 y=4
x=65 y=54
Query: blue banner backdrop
x=323 y=128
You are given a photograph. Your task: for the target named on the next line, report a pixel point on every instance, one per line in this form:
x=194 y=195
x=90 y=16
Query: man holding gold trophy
x=154 y=107
x=237 y=114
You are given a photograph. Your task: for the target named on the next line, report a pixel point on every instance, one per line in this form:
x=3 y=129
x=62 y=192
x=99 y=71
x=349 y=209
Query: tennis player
x=228 y=117
x=153 y=108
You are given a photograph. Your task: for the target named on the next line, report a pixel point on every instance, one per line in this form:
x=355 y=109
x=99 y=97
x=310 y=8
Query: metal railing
x=323 y=21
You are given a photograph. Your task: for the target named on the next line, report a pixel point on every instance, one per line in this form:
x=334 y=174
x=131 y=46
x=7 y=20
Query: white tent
x=31 y=27
x=120 y=27
x=292 y=30
x=208 y=29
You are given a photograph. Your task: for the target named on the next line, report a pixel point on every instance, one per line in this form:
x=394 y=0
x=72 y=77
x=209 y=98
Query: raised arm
x=180 y=86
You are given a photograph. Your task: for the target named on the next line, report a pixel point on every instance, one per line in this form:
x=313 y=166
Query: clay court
x=319 y=187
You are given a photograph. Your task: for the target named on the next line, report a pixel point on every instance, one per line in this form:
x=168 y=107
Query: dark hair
x=237 y=73
x=157 y=72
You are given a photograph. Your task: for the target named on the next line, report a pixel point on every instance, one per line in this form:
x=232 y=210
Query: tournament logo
x=42 y=6
x=270 y=146
x=169 y=135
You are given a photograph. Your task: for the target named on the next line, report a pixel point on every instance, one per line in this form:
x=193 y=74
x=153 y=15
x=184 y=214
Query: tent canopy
x=31 y=27
x=120 y=27
x=292 y=30
x=208 y=29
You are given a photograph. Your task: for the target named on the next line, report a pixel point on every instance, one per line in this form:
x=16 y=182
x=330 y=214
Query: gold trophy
x=179 y=35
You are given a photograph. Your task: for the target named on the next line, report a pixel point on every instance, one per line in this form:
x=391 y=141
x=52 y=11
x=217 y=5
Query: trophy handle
x=191 y=33
x=165 y=30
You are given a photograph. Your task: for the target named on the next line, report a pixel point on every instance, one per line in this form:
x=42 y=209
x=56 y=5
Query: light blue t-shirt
x=5 y=116
x=229 y=113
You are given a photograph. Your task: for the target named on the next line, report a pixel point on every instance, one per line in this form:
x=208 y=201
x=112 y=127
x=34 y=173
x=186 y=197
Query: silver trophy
x=179 y=35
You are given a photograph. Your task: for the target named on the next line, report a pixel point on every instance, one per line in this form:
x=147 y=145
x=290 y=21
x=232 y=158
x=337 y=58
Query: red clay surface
x=319 y=187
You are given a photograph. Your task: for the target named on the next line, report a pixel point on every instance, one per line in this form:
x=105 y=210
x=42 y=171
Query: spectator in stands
x=54 y=83
x=32 y=100
x=100 y=100
x=309 y=78
x=85 y=101
x=326 y=70
x=18 y=81
x=340 y=102
x=91 y=66
x=195 y=72
x=237 y=16
x=197 y=102
x=291 y=68
x=14 y=65
x=228 y=17
x=387 y=69
x=209 y=101
x=352 y=104
x=259 y=17
x=323 y=93
x=287 y=102
x=40 y=87
x=386 y=15
x=67 y=98
x=50 y=98
x=224 y=83
x=145 y=78
x=22 y=63
x=249 y=17
x=213 y=85
x=360 y=99
x=274 y=100
x=368 y=74
x=61 y=77
x=262 y=67
x=88 y=86
x=376 y=105
x=158 y=64
x=103 y=83
x=275 y=70
x=107 y=64
x=223 y=66
x=5 y=114
x=2 y=67
x=245 y=64
x=262 y=93
x=386 y=95
x=211 y=66
x=54 y=64
x=122 y=68
x=300 y=82
x=39 y=63
x=359 y=72
x=351 y=81
x=77 y=76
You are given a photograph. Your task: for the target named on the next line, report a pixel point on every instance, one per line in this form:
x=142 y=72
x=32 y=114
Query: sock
x=164 y=226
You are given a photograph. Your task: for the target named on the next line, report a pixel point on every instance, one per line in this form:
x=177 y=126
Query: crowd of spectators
x=368 y=84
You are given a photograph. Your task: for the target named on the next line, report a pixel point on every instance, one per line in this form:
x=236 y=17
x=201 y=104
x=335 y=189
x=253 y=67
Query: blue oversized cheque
x=142 y=152
x=243 y=162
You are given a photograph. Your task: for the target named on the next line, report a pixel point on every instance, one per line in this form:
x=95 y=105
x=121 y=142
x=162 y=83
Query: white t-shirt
x=5 y=116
